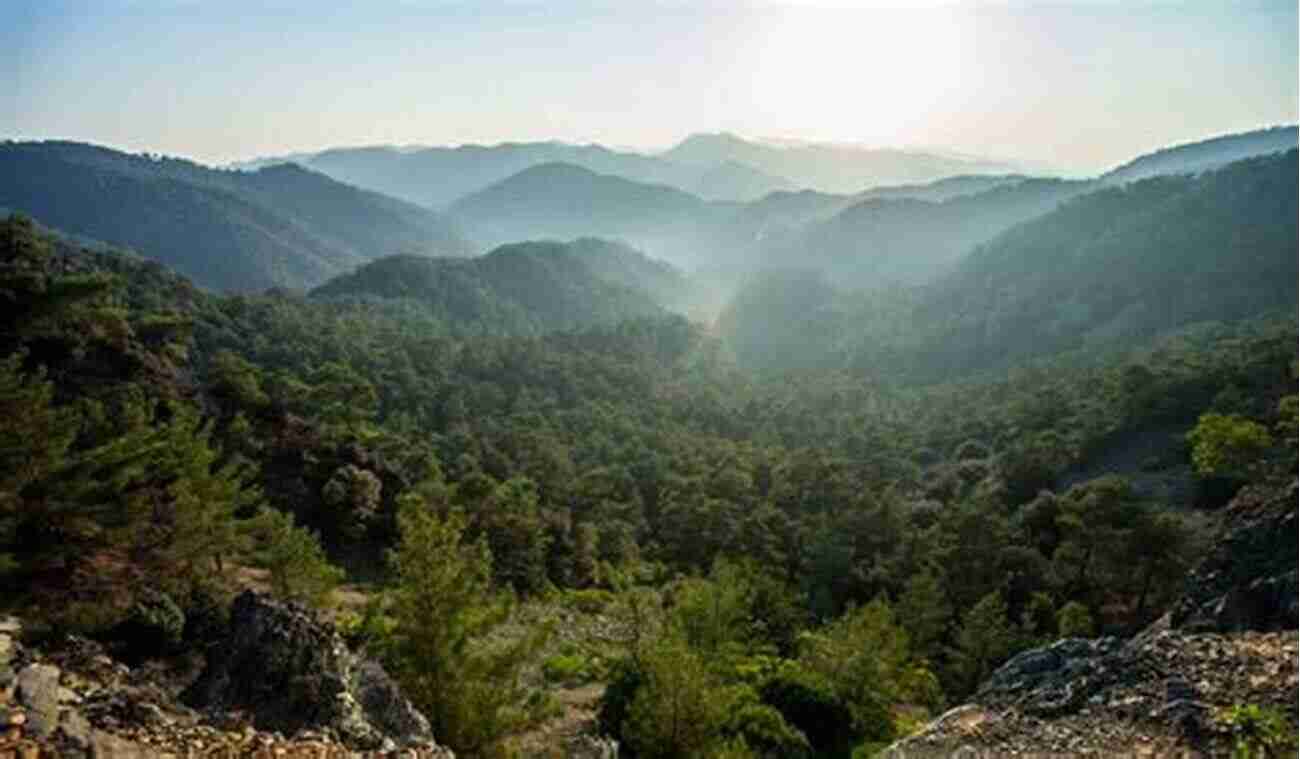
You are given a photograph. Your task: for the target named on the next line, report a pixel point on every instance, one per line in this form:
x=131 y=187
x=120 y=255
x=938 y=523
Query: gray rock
x=38 y=691
x=289 y=672
x=591 y=747
x=76 y=730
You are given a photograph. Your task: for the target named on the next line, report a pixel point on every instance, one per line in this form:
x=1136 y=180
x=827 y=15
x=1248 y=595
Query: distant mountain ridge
x=281 y=226
x=1206 y=154
x=829 y=167
x=438 y=176
x=714 y=167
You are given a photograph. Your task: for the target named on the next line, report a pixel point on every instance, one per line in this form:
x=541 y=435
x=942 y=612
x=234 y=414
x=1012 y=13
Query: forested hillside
x=1103 y=270
x=281 y=226
x=1200 y=156
x=522 y=289
x=557 y=200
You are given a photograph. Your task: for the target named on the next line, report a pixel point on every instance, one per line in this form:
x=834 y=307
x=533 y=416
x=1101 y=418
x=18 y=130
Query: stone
x=76 y=729
x=289 y=672
x=591 y=747
x=38 y=691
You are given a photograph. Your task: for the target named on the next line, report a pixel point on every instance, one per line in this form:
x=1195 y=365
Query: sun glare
x=862 y=75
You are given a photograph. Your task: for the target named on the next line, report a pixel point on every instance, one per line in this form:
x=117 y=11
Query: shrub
x=568 y=669
x=807 y=702
x=1258 y=732
x=1074 y=621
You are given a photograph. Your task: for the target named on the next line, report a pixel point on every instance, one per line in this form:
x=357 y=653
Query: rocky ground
x=1164 y=693
x=1229 y=641
x=279 y=685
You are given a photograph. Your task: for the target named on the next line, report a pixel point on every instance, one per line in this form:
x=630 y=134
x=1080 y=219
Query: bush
x=155 y=625
x=568 y=669
x=1074 y=621
x=589 y=600
x=299 y=569
x=808 y=704
x=1258 y=732
x=625 y=679
x=764 y=730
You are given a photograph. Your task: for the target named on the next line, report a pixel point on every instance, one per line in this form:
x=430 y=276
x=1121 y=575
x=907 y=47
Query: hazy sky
x=1082 y=85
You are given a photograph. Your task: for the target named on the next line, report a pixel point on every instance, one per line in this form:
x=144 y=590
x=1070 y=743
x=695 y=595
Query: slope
x=887 y=241
x=280 y=226
x=558 y=200
x=1205 y=154
x=520 y=289
x=1125 y=263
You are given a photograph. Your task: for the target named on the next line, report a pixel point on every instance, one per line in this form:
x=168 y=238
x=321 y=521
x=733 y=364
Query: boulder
x=1050 y=680
x=38 y=693
x=1248 y=579
x=289 y=672
x=591 y=747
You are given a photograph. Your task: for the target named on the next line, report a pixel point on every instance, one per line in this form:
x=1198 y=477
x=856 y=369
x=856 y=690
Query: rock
x=1248 y=579
x=381 y=699
x=591 y=747
x=76 y=730
x=288 y=672
x=10 y=630
x=38 y=691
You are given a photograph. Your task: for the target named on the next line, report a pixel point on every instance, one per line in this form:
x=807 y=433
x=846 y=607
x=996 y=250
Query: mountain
x=1112 y=267
x=527 y=288
x=558 y=200
x=944 y=189
x=828 y=167
x=735 y=181
x=625 y=266
x=1123 y=263
x=437 y=176
x=281 y=226
x=892 y=240
x=1206 y=154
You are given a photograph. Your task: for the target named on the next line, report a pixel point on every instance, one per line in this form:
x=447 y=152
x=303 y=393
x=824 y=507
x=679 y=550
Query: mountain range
x=720 y=167
x=283 y=225
x=280 y=226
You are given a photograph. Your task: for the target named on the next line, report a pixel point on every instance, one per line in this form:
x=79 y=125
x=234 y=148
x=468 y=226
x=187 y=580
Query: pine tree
x=985 y=639
x=442 y=649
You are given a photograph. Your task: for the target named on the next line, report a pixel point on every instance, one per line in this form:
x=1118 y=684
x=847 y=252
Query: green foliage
x=299 y=568
x=1074 y=621
x=1227 y=445
x=154 y=625
x=1258 y=732
x=680 y=707
x=985 y=639
x=764 y=729
x=924 y=612
x=808 y=703
x=441 y=650
x=568 y=669
x=867 y=661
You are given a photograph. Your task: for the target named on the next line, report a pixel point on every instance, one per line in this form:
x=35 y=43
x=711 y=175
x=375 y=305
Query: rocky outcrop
x=1161 y=693
x=288 y=672
x=1229 y=641
x=1248 y=579
x=76 y=702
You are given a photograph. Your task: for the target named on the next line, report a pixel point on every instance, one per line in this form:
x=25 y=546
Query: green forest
x=803 y=529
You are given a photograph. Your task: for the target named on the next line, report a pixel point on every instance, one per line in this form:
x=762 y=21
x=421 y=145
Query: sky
x=1081 y=86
